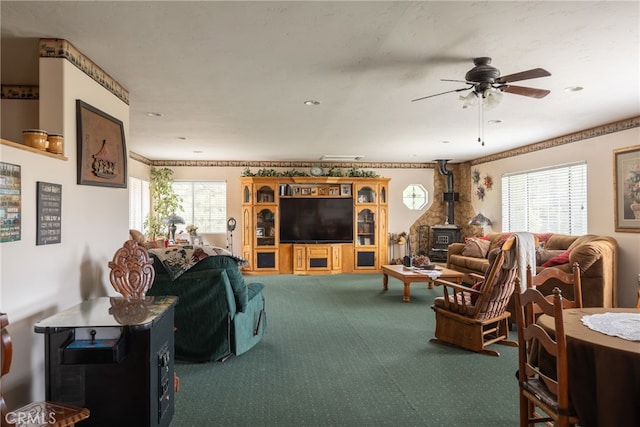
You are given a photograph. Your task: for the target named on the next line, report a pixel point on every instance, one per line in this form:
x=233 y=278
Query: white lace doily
x=623 y=325
x=433 y=274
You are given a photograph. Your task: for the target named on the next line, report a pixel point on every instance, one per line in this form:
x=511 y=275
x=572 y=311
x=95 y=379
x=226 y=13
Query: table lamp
x=480 y=220
x=172 y=220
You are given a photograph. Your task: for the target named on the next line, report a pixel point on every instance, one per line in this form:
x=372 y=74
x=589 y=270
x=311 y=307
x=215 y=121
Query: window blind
x=139 y=202
x=550 y=200
x=204 y=204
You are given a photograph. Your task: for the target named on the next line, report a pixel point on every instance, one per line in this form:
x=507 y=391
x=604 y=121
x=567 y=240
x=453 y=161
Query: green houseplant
x=164 y=201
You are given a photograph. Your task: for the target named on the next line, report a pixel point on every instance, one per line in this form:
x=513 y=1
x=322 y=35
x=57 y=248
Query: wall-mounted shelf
x=31 y=149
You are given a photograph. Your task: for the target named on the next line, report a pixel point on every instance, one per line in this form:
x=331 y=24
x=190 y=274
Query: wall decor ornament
x=475 y=176
x=488 y=182
x=480 y=192
x=627 y=188
x=102 y=151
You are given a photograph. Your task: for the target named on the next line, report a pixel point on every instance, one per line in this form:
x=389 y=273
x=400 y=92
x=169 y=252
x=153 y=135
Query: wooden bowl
x=35 y=138
x=56 y=144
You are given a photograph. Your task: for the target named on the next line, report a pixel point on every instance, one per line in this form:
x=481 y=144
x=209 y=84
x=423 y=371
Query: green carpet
x=341 y=352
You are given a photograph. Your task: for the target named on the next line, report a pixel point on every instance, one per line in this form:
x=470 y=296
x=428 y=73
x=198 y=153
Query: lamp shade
x=174 y=219
x=480 y=220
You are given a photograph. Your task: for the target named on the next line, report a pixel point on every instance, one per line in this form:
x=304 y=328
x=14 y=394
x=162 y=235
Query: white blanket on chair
x=523 y=254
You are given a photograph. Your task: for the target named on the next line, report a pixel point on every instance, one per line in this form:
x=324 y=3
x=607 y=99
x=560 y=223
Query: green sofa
x=218 y=313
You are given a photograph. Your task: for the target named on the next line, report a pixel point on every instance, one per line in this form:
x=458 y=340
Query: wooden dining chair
x=34 y=414
x=568 y=283
x=543 y=395
x=476 y=318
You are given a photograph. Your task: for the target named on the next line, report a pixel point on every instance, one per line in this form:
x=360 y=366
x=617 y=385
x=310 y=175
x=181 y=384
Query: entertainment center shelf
x=314 y=225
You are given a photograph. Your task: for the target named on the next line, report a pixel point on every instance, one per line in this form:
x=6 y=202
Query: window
x=139 y=203
x=550 y=200
x=415 y=197
x=204 y=204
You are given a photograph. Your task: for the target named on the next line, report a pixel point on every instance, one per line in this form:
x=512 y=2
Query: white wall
x=37 y=281
x=400 y=217
x=598 y=153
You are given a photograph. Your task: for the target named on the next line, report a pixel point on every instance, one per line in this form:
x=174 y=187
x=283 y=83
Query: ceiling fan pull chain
x=480 y=121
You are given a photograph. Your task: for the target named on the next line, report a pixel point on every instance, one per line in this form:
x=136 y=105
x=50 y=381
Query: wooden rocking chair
x=476 y=318
x=35 y=414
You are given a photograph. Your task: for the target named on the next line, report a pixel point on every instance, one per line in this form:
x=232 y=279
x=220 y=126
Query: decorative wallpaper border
x=20 y=92
x=550 y=143
x=619 y=126
x=275 y=164
x=59 y=48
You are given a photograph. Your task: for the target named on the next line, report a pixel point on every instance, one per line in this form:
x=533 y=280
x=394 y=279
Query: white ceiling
x=231 y=77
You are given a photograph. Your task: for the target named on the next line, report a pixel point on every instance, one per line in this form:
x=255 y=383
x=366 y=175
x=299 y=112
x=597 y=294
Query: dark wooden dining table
x=604 y=371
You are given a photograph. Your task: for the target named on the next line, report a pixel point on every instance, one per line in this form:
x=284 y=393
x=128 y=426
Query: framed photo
x=102 y=152
x=345 y=190
x=626 y=179
x=260 y=232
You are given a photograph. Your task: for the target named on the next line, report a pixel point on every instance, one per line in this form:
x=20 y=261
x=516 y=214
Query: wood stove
x=443 y=236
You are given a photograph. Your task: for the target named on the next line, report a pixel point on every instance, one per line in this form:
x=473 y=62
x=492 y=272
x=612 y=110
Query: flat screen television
x=316 y=220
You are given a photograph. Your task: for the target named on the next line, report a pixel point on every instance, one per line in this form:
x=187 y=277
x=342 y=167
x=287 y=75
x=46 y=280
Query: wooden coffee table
x=408 y=276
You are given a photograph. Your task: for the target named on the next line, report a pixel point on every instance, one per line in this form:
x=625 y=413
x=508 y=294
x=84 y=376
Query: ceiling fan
x=485 y=79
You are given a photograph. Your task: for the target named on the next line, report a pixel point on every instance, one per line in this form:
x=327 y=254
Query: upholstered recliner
x=218 y=313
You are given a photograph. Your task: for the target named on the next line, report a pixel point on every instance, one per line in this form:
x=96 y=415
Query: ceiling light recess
x=341 y=157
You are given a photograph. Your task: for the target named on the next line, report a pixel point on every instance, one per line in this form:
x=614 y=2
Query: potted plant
x=193 y=232
x=164 y=202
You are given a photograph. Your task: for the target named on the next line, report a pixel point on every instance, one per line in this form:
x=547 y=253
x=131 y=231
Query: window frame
x=532 y=199
x=140 y=195
x=190 y=215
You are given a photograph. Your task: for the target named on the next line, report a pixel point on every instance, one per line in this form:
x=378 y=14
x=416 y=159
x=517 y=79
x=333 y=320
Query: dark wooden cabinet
x=115 y=357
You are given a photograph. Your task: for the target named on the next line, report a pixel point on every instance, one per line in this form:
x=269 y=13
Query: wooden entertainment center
x=363 y=251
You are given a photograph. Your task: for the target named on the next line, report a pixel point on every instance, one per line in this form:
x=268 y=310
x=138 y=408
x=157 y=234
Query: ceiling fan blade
x=525 y=91
x=524 y=75
x=459 y=81
x=441 y=93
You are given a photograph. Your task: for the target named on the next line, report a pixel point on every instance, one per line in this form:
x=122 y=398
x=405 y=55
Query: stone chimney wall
x=436 y=213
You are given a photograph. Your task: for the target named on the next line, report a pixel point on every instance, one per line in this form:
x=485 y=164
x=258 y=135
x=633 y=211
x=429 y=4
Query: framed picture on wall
x=10 y=202
x=626 y=166
x=102 y=152
x=48 y=213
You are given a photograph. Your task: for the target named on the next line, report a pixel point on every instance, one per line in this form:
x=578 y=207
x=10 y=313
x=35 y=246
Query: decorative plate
x=316 y=171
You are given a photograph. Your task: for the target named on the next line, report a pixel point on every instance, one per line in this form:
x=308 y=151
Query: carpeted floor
x=340 y=352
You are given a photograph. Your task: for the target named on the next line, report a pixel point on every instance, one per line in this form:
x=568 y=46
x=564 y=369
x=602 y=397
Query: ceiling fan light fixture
x=492 y=97
x=469 y=100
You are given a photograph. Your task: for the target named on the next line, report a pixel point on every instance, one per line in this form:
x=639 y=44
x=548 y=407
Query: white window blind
x=204 y=204
x=139 y=202
x=550 y=200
